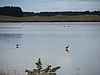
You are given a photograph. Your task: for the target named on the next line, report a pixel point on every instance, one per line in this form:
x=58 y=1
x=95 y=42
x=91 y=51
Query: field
x=57 y=18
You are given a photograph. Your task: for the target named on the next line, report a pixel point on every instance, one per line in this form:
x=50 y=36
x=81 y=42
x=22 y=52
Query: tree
x=40 y=71
x=11 y=11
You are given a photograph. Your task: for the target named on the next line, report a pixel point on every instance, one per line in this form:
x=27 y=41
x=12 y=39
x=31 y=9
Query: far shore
x=57 y=18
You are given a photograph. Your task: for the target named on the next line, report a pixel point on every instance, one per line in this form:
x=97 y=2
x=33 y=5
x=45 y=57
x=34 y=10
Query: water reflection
x=9 y=40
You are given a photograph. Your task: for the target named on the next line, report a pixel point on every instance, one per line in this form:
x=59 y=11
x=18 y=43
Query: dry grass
x=57 y=18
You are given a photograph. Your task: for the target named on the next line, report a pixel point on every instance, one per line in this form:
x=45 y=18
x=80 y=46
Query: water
x=48 y=41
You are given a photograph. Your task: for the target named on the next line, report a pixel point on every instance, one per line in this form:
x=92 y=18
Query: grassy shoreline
x=57 y=18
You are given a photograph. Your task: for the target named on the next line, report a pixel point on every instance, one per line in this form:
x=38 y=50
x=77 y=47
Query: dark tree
x=11 y=11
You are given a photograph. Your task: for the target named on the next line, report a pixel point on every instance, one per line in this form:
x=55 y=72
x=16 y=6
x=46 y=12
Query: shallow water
x=48 y=41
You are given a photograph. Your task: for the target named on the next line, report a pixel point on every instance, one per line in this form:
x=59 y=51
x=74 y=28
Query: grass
x=57 y=18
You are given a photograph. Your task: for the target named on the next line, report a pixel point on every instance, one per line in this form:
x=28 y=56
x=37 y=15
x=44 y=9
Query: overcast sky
x=53 y=5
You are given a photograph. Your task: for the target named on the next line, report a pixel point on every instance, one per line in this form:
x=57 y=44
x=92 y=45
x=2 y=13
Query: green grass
x=57 y=18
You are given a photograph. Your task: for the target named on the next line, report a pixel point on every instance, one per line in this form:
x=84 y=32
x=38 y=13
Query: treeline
x=11 y=11
x=61 y=13
x=17 y=11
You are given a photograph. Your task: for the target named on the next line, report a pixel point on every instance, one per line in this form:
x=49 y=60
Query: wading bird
x=67 y=48
x=17 y=46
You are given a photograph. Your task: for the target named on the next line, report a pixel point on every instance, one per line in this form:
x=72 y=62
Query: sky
x=53 y=5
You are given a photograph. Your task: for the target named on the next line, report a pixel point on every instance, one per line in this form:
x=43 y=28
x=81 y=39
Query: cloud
x=64 y=6
x=54 y=5
x=91 y=5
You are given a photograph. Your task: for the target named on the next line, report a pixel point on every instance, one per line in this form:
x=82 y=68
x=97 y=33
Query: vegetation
x=57 y=18
x=11 y=11
x=74 y=13
x=40 y=71
x=15 y=14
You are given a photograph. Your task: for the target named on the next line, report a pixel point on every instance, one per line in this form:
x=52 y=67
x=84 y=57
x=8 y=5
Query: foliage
x=17 y=11
x=55 y=69
x=11 y=11
x=40 y=71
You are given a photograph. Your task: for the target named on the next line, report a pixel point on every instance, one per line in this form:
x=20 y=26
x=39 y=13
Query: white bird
x=67 y=48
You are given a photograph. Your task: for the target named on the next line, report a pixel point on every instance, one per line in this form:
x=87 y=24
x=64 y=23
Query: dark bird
x=17 y=46
x=67 y=48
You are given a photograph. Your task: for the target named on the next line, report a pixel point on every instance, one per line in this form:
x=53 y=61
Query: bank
x=57 y=18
